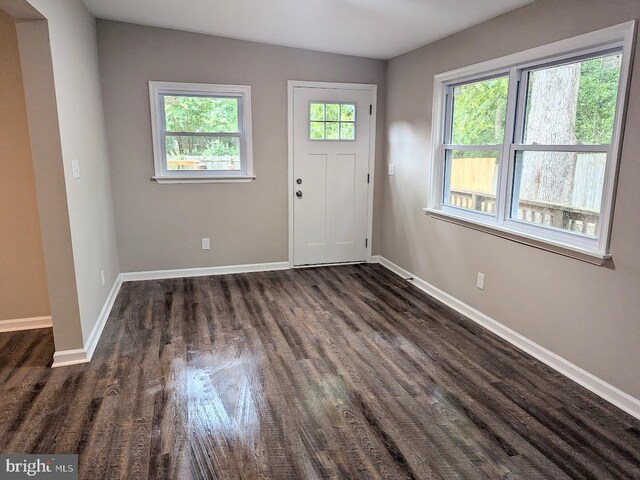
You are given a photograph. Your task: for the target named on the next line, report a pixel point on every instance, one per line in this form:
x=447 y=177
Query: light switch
x=206 y=244
x=75 y=168
x=391 y=170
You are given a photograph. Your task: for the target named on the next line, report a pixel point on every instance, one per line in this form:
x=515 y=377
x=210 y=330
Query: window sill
x=201 y=179
x=519 y=237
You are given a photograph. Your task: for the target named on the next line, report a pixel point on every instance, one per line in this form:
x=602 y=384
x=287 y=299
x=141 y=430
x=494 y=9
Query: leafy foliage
x=479 y=111
x=180 y=147
x=201 y=115
x=599 y=79
x=316 y=111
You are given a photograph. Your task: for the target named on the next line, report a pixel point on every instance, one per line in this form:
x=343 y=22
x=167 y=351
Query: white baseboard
x=29 y=323
x=83 y=355
x=612 y=394
x=94 y=336
x=203 y=272
x=64 y=358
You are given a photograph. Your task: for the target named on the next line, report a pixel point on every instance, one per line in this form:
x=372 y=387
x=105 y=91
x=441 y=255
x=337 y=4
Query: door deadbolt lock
x=299 y=181
x=299 y=194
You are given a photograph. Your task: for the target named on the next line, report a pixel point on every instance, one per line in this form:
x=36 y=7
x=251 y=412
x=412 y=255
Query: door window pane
x=574 y=103
x=332 y=112
x=559 y=189
x=347 y=112
x=316 y=112
x=479 y=112
x=347 y=131
x=202 y=153
x=316 y=130
x=472 y=179
x=201 y=114
x=332 y=131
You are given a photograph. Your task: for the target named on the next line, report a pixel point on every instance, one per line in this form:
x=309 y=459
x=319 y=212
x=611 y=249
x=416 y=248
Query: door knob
x=299 y=181
x=299 y=194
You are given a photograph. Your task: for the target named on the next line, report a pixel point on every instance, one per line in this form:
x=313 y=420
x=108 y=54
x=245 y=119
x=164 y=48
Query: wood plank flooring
x=337 y=372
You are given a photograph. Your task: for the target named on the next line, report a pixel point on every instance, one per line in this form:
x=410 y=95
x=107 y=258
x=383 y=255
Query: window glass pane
x=479 y=112
x=347 y=131
x=472 y=180
x=574 y=103
x=203 y=153
x=332 y=132
x=559 y=189
x=316 y=111
x=347 y=112
x=332 y=111
x=316 y=130
x=201 y=114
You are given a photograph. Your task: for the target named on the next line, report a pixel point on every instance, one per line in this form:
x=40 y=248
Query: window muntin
x=602 y=54
x=201 y=131
x=332 y=121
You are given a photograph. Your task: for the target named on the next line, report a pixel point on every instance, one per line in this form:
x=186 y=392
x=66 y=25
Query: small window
x=529 y=144
x=201 y=132
x=332 y=121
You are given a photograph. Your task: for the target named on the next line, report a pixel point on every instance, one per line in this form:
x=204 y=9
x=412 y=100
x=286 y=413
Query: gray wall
x=589 y=315
x=72 y=37
x=160 y=226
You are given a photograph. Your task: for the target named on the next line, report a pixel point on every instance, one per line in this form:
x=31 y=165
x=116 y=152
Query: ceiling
x=368 y=28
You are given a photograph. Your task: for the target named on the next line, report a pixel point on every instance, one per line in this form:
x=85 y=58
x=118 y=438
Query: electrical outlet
x=392 y=170
x=104 y=281
x=480 y=281
x=75 y=168
x=206 y=244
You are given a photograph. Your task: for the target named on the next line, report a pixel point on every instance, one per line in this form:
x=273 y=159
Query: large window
x=529 y=144
x=201 y=133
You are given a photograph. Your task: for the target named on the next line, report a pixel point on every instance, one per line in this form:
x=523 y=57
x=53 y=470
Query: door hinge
x=370 y=109
x=366 y=242
x=368 y=178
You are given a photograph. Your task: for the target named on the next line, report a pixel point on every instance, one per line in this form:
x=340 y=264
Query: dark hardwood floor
x=337 y=372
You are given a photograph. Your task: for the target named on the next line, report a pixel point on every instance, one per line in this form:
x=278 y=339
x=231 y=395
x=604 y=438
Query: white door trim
x=373 y=89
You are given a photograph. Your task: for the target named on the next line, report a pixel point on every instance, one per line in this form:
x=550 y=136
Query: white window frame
x=516 y=66
x=242 y=92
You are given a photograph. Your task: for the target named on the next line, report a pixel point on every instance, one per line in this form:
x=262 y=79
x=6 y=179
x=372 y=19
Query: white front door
x=331 y=147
